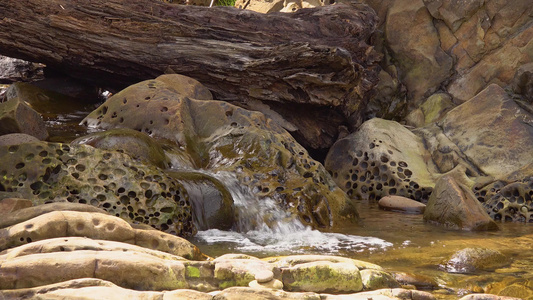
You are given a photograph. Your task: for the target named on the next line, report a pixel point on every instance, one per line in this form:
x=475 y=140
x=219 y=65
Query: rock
x=136 y=144
x=94 y=225
x=382 y=158
x=509 y=197
x=50 y=172
x=292 y=260
x=239 y=293
x=322 y=277
x=471 y=260
x=417 y=280
x=238 y=272
x=376 y=279
x=523 y=82
x=260 y=5
x=401 y=204
x=221 y=137
x=492 y=131
x=186 y=86
x=17 y=117
x=272 y=284
x=264 y=276
x=390 y=101
x=383 y=294
x=269 y=6
x=423 y=62
x=211 y=200
x=26 y=214
x=491 y=46
x=455 y=206
x=9 y=205
x=435 y=107
x=13 y=69
x=487 y=297
x=16 y=139
x=131 y=270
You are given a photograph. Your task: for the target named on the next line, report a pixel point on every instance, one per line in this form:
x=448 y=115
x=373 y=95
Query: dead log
x=313 y=59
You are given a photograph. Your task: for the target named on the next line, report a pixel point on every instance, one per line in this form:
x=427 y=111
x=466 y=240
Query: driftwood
x=311 y=59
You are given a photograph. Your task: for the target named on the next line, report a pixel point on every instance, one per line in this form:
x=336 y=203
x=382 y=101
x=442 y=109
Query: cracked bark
x=312 y=59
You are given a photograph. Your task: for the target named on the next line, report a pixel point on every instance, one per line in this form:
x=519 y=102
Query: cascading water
x=261 y=226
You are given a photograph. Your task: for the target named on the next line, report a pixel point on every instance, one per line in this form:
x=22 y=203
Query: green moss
x=225 y=2
x=192 y=272
x=227 y=284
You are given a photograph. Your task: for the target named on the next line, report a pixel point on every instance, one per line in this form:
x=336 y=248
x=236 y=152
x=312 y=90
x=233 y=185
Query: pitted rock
x=50 y=172
x=381 y=158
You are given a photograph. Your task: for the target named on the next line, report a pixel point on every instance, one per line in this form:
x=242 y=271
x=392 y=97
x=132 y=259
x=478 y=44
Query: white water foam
x=262 y=226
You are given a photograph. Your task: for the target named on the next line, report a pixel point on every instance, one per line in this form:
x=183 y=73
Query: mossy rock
x=221 y=137
x=52 y=172
x=134 y=143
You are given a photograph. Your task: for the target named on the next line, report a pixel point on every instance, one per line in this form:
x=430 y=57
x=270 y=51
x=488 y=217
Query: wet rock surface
x=221 y=137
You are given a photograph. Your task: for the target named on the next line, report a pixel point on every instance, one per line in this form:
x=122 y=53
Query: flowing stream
x=395 y=241
x=262 y=227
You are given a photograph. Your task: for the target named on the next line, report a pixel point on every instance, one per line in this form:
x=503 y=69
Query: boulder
x=94 y=225
x=471 y=260
x=381 y=158
x=322 y=277
x=401 y=204
x=113 y=181
x=492 y=131
x=18 y=117
x=376 y=280
x=424 y=63
x=491 y=45
x=383 y=294
x=455 y=206
x=221 y=137
x=127 y=269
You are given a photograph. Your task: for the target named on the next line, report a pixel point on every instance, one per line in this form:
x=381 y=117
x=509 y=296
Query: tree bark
x=315 y=57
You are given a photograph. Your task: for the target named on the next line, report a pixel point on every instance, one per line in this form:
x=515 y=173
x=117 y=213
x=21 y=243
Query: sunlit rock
x=401 y=204
x=93 y=225
x=423 y=62
x=113 y=181
x=381 y=158
x=376 y=279
x=455 y=206
x=470 y=260
x=221 y=137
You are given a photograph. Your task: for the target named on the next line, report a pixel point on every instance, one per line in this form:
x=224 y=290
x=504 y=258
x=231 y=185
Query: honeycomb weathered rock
x=381 y=158
x=219 y=136
x=50 y=172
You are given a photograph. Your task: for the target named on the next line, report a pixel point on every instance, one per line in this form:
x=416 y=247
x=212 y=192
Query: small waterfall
x=254 y=214
x=262 y=226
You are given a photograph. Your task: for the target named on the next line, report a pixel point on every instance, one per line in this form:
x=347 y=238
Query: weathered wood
x=315 y=57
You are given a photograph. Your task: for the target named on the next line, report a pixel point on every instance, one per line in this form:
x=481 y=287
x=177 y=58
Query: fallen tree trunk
x=314 y=57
